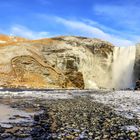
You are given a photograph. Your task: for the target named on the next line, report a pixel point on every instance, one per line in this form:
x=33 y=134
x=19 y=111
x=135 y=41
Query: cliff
x=137 y=67
x=60 y=62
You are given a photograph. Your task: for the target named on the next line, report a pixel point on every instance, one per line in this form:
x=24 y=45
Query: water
x=6 y=112
x=100 y=72
x=123 y=67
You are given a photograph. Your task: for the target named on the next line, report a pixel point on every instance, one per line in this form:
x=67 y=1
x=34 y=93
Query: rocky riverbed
x=70 y=114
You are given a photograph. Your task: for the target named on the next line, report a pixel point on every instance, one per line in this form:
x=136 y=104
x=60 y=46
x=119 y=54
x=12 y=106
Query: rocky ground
x=80 y=116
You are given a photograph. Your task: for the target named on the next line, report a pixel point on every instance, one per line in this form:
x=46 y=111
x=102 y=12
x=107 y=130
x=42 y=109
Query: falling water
x=123 y=67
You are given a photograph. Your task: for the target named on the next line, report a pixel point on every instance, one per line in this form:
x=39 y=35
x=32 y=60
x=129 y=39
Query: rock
x=37 y=131
x=90 y=134
x=36 y=118
x=6 y=136
x=22 y=135
x=137 y=86
x=61 y=62
x=133 y=134
x=137 y=67
x=2 y=130
x=7 y=126
x=76 y=78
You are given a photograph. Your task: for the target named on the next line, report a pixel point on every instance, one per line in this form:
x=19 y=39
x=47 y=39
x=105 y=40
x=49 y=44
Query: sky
x=116 y=21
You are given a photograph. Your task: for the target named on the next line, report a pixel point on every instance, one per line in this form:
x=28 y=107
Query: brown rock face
x=76 y=78
x=30 y=72
x=61 y=62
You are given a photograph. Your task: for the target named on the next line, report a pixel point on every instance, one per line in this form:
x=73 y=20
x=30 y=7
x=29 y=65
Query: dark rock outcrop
x=137 y=67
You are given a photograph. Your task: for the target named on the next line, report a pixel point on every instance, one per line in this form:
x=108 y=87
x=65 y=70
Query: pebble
x=78 y=118
x=133 y=134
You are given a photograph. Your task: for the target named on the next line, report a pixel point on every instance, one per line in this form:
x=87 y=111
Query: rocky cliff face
x=137 y=67
x=88 y=58
x=61 y=62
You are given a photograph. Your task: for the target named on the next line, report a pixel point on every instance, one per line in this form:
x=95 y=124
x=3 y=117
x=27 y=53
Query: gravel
x=86 y=116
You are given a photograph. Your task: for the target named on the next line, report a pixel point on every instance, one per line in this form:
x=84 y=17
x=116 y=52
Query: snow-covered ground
x=37 y=94
x=126 y=103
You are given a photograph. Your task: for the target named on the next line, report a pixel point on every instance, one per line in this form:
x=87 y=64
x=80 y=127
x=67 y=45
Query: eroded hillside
x=61 y=62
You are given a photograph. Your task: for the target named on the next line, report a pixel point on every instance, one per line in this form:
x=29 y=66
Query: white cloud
x=19 y=30
x=83 y=28
x=102 y=27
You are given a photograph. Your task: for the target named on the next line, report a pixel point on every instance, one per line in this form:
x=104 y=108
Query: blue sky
x=117 y=21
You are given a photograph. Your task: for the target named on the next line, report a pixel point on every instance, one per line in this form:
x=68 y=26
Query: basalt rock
x=137 y=67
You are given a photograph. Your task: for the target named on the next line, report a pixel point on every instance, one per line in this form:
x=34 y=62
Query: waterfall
x=123 y=67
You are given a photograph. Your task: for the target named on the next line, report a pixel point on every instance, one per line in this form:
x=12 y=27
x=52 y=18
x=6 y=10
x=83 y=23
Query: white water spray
x=123 y=67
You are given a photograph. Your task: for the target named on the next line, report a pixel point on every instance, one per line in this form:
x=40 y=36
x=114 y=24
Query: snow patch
x=131 y=128
x=38 y=94
x=2 y=42
x=126 y=103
